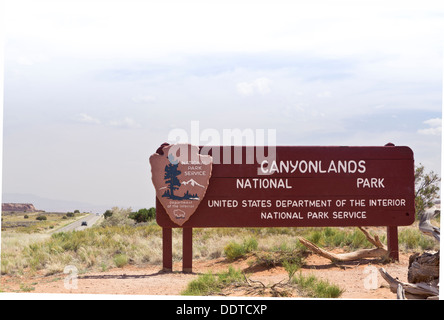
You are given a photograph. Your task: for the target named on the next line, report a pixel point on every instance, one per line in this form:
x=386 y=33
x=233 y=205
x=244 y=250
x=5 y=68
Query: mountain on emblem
x=193 y=183
x=171 y=168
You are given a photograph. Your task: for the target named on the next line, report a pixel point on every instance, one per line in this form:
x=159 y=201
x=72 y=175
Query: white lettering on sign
x=281 y=215
x=349 y=215
x=256 y=203
x=303 y=203
x=222 y=203
x=316 y=209
x=387 y=202
x=317 y=215
x=310 y=166
x=256 y=183
x=370 y=183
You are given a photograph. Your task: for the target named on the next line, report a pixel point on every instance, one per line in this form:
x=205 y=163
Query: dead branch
x=426 y=226
x=420 y=290
x=423 y=271
x=400 y=293
x=281 y=288
x=375 y=241
x=257 y=281
x=378 y=252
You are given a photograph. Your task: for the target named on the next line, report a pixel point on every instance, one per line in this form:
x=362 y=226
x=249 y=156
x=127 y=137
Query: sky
x=92 y=88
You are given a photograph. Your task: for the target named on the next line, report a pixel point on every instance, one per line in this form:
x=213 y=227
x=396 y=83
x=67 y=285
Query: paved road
x=77 y=225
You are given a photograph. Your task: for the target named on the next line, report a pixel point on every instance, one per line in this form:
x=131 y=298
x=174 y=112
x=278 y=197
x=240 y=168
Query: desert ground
x=356 y=279
x=33 y=263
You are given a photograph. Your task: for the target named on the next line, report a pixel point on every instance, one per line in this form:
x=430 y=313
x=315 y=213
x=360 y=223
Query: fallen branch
x=421 y=290
x=426 y=226
x=281 y=288
x=255 y=281
x=423 y=271
x=378 y=252
x=400 y=292
x=375 y=241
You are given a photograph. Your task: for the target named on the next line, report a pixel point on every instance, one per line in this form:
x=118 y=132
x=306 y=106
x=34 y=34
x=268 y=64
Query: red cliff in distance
x=20 y=207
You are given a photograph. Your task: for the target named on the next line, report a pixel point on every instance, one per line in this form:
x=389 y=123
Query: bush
x=426 y=189
x=70 y=214
x=316 y=288
x=108 y=214
x=118 y=217
x=143 y=215
x=338 y=237
x=41 y=218
x=120 y=260
x=235 y=250
x=209 y=283
x=26 y=216
x=413 y=238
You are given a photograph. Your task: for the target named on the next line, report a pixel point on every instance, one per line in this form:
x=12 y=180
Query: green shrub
x=339 y=237
x=120 y=260
x=414 y=238
x=315 y=288
x=41 y=218
x=315 y=237
x=235 y=250
x=291 y=268
x=203 y=285
x=209 y=283
x=108 y=214
x=143 y=215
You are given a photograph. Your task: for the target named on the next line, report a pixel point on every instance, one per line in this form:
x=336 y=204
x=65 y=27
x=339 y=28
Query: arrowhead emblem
x=180 y=176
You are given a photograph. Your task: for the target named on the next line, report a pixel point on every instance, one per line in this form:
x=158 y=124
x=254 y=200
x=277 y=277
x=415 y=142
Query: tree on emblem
x=171 y=173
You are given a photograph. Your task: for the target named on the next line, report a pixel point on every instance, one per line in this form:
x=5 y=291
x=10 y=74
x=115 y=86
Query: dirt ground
x=359 y=280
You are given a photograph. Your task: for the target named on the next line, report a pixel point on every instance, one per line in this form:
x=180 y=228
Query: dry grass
x=115 y=245
x=26 y=222
x=12 y=247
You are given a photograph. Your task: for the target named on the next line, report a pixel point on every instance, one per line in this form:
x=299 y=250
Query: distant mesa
x=19 y=207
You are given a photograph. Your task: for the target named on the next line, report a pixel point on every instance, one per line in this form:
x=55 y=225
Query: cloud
x=324 y=94
x=25 y=61
x=126 y=122
x=85 y=118
x=260 y=86
x=436 y=122
x=144 y=99
x=435 y=125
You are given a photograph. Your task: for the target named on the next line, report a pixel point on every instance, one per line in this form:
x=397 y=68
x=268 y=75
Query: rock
x=20 y=207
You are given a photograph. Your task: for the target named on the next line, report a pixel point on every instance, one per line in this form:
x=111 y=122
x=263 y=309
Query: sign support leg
x=392 y=242
x=187 y=254
x=167 y=247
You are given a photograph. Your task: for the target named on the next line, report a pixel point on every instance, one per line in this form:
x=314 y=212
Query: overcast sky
x=92 y=88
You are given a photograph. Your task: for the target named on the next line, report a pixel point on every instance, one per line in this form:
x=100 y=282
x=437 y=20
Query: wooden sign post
x=299 y=187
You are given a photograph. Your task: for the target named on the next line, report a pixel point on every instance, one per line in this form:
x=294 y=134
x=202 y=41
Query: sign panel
x=304 y=186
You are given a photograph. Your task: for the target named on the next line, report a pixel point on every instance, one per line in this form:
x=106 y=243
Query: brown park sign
x=296 y=187
x=180 y=183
